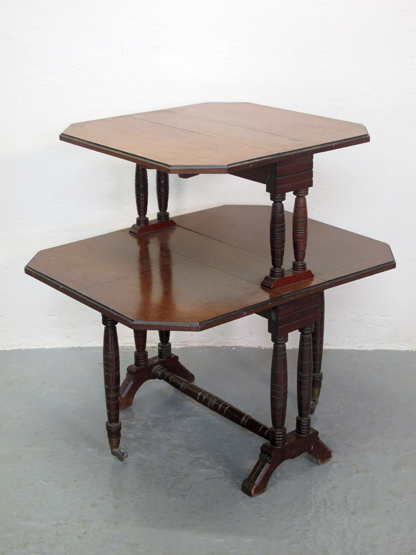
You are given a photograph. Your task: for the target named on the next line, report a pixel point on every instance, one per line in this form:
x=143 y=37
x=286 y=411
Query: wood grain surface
x=213 y=137
x=205 y=271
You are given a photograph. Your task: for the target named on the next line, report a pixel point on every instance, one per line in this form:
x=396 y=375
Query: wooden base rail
x=271 y=456
x=212 y=402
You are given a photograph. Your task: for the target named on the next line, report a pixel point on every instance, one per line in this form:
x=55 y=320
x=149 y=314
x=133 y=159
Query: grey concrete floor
x=179 y=491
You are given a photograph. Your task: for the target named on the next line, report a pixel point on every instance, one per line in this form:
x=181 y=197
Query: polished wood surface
x=267 y=145
x=210 y=267
x=213 y=137
x=205 y=271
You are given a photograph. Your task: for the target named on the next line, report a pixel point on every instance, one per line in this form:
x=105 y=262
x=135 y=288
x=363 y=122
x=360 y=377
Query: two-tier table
x=206 y=268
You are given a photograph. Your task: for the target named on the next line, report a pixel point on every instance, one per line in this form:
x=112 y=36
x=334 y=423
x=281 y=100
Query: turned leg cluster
x=306 y=315
x=294 y=176
x=142 y=224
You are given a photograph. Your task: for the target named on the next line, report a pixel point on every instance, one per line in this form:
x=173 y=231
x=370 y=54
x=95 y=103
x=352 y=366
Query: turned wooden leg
x=277 y=240
x=300 y=230
x=317 y=346
x=142 y=225
x=112 y=386
x=278 y=391
x=277 y=235
x=141 y=189
x=162 y=190
x=303 y=420
x=271 y=455
x=137 y=373
x=278 y=277
x=164 y=348
x=304 y=439
x=140 y=356
x=282 y=320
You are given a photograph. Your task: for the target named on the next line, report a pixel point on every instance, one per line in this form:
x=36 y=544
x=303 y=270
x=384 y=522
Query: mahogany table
x=208 y=267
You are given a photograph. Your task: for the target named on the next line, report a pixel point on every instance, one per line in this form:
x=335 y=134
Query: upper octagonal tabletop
x=218 y=137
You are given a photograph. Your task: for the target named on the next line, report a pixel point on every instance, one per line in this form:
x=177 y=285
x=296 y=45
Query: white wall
x=65 y=61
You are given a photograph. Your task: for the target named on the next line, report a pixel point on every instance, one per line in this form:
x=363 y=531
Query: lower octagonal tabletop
x=205 y=271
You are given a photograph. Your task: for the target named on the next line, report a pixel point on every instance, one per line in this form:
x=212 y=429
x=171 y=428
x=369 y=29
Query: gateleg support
x=301 y=314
